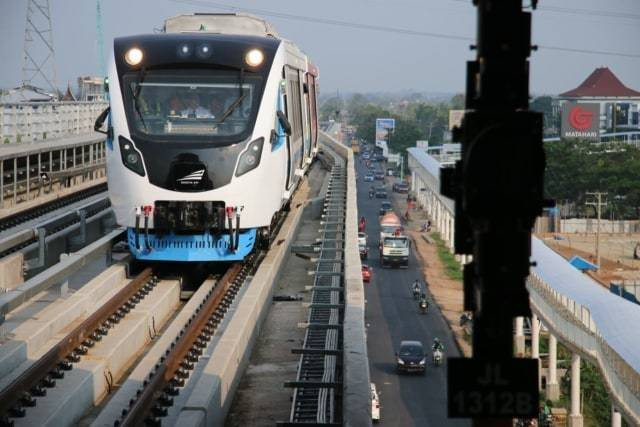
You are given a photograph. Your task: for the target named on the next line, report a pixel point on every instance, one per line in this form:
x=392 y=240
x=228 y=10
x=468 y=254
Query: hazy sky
x=352 y=59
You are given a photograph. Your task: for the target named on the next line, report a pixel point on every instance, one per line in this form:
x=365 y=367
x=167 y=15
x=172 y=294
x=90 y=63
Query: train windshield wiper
x=238 y=101
x=136 y=104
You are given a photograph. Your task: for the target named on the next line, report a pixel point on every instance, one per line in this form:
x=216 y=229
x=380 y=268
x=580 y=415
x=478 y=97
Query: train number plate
x=492 y=388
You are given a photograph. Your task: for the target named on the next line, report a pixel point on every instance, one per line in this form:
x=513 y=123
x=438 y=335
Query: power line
x=385 y=29
x=323 y=20
x=581 y=11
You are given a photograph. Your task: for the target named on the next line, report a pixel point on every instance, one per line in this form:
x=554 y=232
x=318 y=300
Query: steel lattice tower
x=102 y=68
x=38 y=65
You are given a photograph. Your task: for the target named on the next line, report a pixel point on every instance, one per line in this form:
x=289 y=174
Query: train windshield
x=183 y=106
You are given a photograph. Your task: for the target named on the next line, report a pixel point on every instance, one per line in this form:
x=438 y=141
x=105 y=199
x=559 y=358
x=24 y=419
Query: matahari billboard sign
x=581 y=121
x=383 y=127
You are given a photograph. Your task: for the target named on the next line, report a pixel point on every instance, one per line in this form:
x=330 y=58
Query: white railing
x=37 y=121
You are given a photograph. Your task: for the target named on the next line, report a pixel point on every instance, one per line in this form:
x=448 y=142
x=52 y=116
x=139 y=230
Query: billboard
x=455 y=118
x=383 y=127
x=580 y=121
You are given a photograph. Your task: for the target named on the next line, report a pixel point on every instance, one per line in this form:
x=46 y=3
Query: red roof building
x=602 y=83
x=619 y=104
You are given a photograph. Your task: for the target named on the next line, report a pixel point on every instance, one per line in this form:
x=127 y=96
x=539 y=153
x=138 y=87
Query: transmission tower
x=102 y=68
x=38 y=65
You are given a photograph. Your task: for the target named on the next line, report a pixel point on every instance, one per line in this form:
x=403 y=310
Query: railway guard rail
x=317 y=393
x=339 y=243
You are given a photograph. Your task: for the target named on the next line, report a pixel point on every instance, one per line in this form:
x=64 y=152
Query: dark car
x=401 y=187
x=410 y=357
x=381 y=193
x=385 y=207
x=379 y=176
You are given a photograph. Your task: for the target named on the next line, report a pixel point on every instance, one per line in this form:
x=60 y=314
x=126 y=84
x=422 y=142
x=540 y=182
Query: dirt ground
x=616 y=253
x=447 y=293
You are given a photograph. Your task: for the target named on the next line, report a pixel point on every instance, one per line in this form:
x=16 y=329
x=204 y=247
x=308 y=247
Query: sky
x=354 y=59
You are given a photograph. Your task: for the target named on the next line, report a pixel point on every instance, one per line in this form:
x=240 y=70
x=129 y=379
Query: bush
x=451 y=265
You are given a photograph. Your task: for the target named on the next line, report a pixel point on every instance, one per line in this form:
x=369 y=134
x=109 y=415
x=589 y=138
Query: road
x=392 y=315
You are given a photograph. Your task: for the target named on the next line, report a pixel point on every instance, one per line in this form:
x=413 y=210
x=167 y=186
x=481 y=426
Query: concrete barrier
x=211 y=397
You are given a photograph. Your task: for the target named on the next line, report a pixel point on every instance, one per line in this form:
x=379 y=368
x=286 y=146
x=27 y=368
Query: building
x=619 y=105
x=91 y=88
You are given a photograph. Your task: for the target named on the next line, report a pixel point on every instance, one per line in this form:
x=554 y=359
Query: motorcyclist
x=416 y=288
x=424 y=304
x=437 y=345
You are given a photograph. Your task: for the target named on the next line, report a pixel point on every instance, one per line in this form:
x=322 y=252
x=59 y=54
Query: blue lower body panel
x=191 y=247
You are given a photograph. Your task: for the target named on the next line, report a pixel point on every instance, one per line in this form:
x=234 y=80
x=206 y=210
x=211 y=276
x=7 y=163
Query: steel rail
x=170 y=369
x=18 y=218
x=20 y=391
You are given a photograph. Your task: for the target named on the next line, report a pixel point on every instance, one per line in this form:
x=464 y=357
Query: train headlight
x=250 y=159
x=130 y=156
x=184 y=51
x=254 y=57
x=133 y=56
x=204 y=51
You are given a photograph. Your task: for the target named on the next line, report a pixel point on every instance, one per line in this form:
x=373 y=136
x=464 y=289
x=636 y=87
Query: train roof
x=220 y=23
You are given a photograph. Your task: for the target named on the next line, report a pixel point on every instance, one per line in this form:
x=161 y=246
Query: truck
x=355 y=146
x=394 y=250
x=389 y=225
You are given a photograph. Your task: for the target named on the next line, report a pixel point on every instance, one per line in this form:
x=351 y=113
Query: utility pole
x=598 y=204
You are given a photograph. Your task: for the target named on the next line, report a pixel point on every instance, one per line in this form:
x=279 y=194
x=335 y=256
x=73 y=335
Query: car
x=369 y=177
x=385 y=207
x=381 y=193
x=401 y=187
x=366 y=156
x=375 y=404
x=379 y=176
x=366 y=273
x=362 y=238
x=411 y=357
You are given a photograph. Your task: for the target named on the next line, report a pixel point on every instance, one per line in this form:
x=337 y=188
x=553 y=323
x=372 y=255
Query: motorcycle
x=416 y=293
x=371 y=194
x=424 y=306
x=437 y=357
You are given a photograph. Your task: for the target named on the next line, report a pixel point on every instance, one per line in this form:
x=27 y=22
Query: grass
x=597 y=404
x=451 y=265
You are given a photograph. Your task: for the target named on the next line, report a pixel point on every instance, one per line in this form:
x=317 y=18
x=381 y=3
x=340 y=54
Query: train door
x=294 y=114
x=311 y=105
x=306 y=128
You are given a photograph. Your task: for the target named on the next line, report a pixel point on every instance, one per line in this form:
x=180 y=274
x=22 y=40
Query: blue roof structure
x=582 y=264
x=616 y=318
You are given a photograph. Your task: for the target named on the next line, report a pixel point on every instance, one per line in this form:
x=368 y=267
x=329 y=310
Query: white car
x=362 y=239
x=375 y=404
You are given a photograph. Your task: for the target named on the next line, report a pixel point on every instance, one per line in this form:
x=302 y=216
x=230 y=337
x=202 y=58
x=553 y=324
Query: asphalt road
x=392 y=315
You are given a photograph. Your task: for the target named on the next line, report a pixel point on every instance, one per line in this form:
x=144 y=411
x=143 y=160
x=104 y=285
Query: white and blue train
x=212 y=125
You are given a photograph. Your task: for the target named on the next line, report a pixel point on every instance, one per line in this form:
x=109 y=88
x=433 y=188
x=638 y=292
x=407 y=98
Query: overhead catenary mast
x=38 y=64
x=102 y=68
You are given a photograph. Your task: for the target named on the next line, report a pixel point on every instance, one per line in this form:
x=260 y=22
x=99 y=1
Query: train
x=211 y=126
